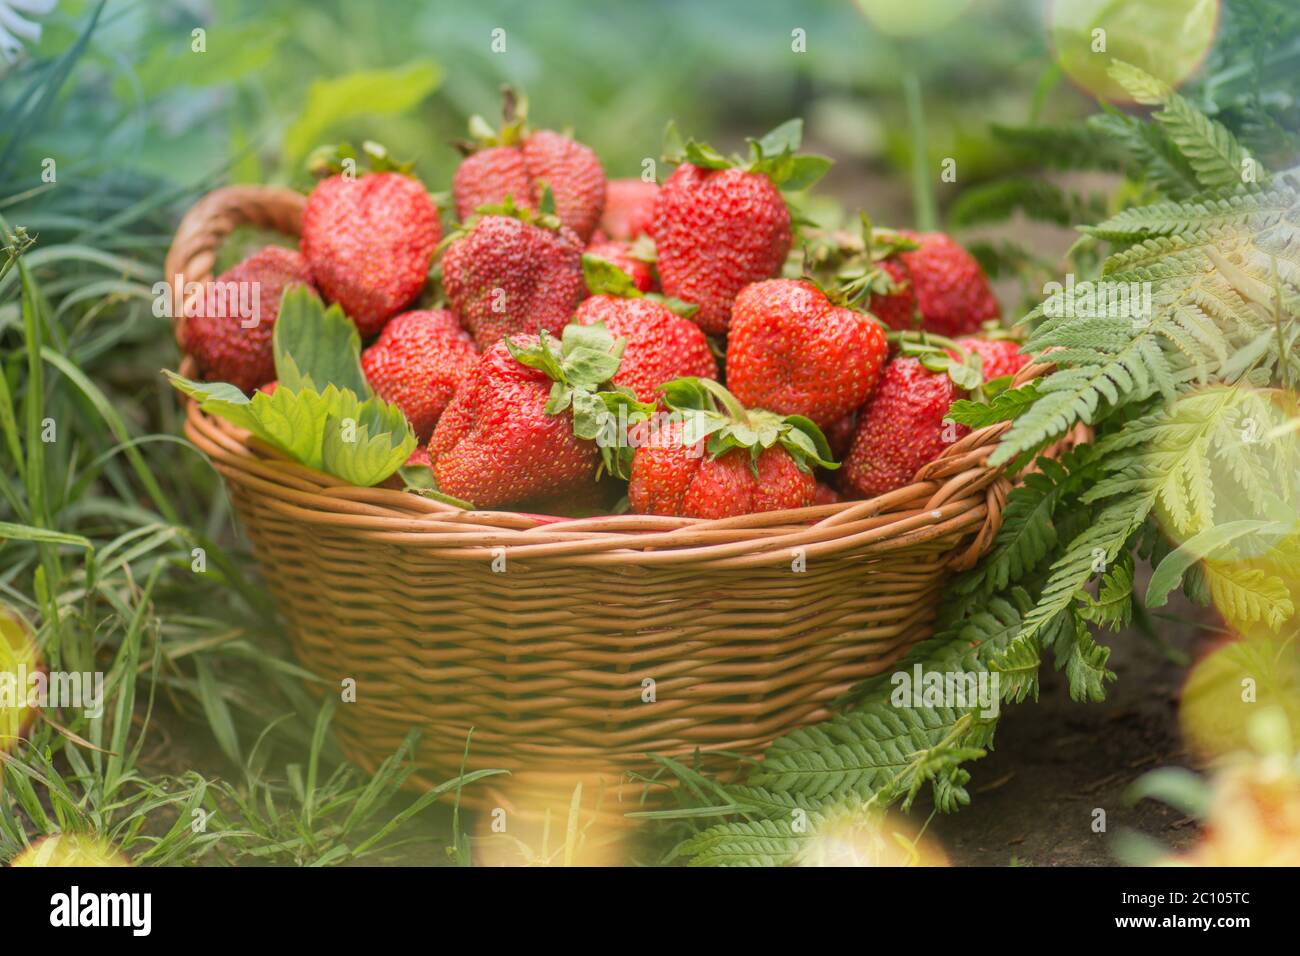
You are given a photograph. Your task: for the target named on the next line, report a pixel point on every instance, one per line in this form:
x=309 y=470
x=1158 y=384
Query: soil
x=1034 y=798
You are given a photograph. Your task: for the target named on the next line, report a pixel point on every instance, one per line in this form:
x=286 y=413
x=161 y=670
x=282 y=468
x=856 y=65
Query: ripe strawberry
x=417 y=362
x=370 y=242
x=793 y=351
x=998 y=357
x=952 y=294
x=629 y=208
x=225 y=350
x=897 y=308
x=901 y=428
x=620 y=252
x=519 y=163
x=523 y=422
x=749 y=461
x=721 y=224
x=661 y=345
x=839 y=434
x=826 y=495
x=513 y=273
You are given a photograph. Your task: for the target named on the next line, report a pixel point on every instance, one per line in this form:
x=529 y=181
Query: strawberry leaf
x=373 y=437
x=605 y=278
x=314 y=346
x=786 y=138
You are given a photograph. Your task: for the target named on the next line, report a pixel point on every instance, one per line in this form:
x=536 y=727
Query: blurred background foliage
x=275 y=80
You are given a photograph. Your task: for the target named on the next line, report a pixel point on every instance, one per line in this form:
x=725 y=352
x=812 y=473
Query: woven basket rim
x=953 y=496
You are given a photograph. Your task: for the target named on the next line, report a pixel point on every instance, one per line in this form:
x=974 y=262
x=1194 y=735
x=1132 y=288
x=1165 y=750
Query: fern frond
x=1095 y=548
x=1213 y=153
x=1003 y=407
x=1245 y=209
x=1247 y=595
x=1084 y=661
x=1018 y=666
x=1113 y=606
x=744 y=843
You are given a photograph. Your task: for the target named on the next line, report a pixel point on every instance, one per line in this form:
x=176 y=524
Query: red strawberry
x=629 y=208
x=419 y=457
x=507 y=276
x=721 y=224
x=826 y=495
x=215 y=335
x=661 y=345
x=901 y=428
x=897 y=309
x=952 y=294
x=370 y=241
x=998 y=357
x=751 y=460
x=417 y=362
x=512 y=434
x=839 y=434
x=716 y=231
x=793 y=351
x=519 y=163
x=620 y=253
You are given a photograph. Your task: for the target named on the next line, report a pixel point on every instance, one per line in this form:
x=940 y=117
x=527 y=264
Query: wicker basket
x=542 y=634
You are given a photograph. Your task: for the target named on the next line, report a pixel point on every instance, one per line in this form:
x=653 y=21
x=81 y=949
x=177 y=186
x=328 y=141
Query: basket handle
x=210 y=220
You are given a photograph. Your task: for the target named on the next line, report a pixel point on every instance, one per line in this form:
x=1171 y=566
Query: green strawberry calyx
x=856 y=262
x=604 y=277
x=512 y=131
x=775 y=155
x=712 y=415
x=335 y=158
x=580 y=366
x=543 y=217
x=936 y=353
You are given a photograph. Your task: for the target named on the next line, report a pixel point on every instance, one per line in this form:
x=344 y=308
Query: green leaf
x=314 y=346
x=1169 y=572
x=705 y=156
x=605 y=278
x=803 y=171
x=367 y=446
x=360 y=93
x=1005 y=406
x=786 y=138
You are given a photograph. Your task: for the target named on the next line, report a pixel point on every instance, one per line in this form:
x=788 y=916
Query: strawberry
x=712 y=463
x=998 y=357
x=522 y=164
x=721 y=223
x=370 y=241
x=793 y=351
x=901 y=427
x=629 y=208
x=512 y=272
x=896 y=307
x=522 y=426
x=660 y=344
x=624 y=255
x=417 y=362
x=215 y=333
x=952 y=294
x=826 y=495
x=839 y=434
